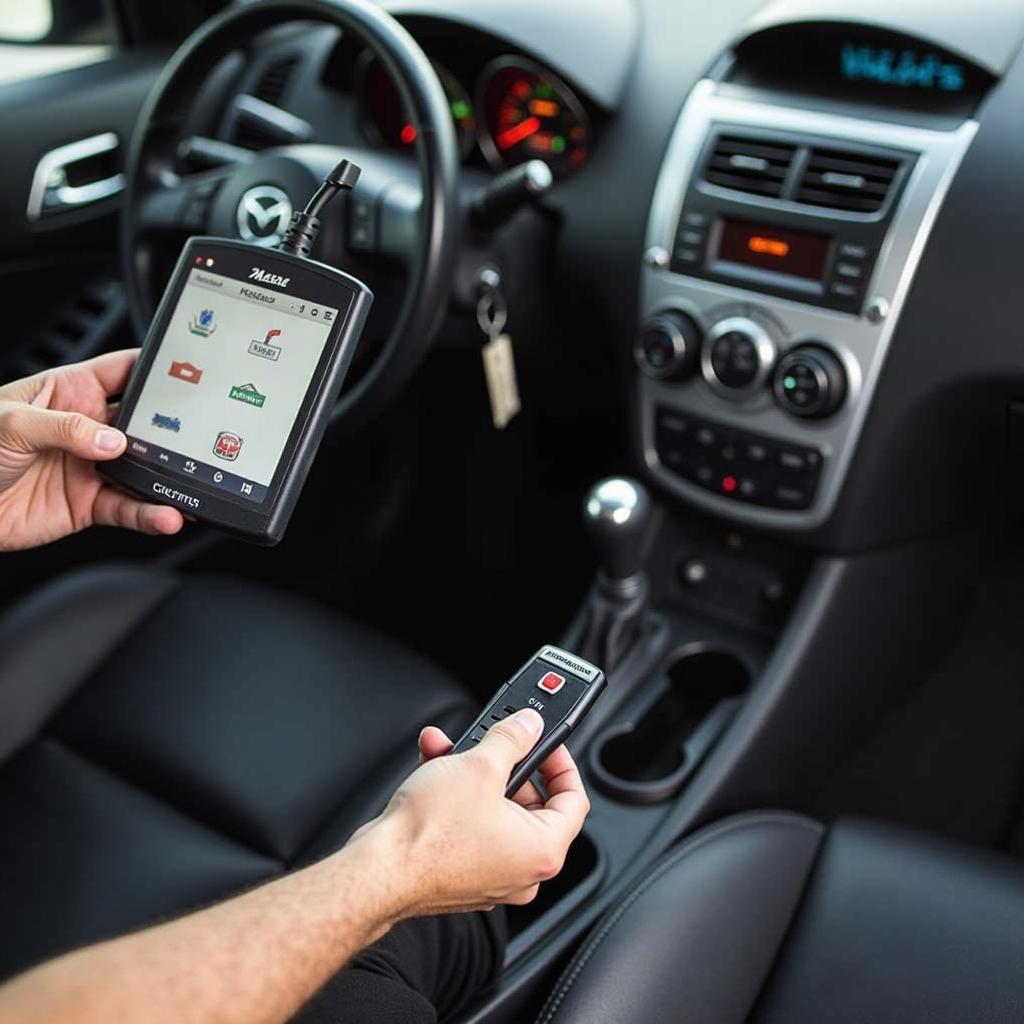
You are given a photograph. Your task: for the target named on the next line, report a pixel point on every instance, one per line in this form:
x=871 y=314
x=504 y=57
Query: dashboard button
x=852 y=271
x=843 y=290
x=672 y=422
x=736 y=465
x=792 y=495
x=734 y=359
x=810 y=382
x=793 y=460
x=668 y=346
x=737 y=356
x=853 y=251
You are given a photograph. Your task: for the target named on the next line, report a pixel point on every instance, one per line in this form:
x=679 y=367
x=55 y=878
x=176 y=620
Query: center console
x=801 y=182
x=781 y=244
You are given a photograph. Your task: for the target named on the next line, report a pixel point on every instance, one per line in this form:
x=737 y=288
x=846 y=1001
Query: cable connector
x=300 y=237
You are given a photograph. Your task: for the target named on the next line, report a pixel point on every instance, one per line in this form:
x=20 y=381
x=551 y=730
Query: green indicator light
x=558 y=144
x=460 y=109
x=789 y=383
x=543 y=89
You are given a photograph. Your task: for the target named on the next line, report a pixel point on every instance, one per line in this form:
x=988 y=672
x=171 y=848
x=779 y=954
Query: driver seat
x=166 y=741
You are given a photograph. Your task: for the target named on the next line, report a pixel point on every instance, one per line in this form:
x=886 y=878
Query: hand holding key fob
x=560 y=686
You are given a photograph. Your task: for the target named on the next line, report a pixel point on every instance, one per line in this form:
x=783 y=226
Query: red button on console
x=551 y=682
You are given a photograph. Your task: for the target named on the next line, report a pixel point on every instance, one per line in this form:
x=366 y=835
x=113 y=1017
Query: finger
x=112 y=508
x=29 y=429
x=567 y=805
x=433 y=743
x=509 y=741
x=528 y=796
x=559 y=773
x=113 y=369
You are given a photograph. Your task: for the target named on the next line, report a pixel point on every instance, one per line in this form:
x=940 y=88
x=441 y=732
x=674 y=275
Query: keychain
x=499 y=363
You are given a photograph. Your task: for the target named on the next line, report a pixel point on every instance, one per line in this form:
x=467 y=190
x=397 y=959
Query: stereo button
x=852 y=251
x=842 y=290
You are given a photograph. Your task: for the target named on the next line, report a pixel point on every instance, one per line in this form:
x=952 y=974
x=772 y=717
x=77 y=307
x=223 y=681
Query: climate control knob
x=737 y=357
x=667 y=346
x=810 y=381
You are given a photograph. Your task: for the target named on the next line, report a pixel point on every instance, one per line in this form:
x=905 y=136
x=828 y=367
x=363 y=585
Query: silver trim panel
x=50 y=191
x=859 y=342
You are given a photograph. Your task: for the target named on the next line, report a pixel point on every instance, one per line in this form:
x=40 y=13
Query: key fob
x=559 y=685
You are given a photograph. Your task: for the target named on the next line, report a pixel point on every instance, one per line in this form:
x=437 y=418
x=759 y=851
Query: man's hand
x=451 y=839
x=53 y=427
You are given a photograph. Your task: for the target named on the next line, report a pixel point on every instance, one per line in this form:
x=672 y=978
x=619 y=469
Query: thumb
x=511 y=739
x=28 y=429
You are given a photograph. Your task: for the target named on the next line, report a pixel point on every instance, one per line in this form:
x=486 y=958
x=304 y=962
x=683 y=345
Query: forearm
x=254 y=959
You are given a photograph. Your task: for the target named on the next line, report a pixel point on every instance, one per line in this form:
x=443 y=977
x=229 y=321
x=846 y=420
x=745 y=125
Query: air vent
x=274 y=81
x=846 y=181
x=749 y=165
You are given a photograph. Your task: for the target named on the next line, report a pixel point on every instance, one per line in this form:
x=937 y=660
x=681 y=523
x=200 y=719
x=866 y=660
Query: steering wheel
x=414 y=205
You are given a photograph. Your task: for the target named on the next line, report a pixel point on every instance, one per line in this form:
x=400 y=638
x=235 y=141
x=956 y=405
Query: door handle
x=51 y=191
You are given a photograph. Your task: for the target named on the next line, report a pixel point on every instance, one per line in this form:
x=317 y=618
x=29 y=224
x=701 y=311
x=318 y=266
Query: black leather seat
x=774 y=919
x=167 y=741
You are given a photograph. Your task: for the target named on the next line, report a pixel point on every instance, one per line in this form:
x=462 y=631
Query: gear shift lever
x=616 y=514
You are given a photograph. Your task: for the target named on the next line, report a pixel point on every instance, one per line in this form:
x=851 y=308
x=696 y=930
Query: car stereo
x=788 y=216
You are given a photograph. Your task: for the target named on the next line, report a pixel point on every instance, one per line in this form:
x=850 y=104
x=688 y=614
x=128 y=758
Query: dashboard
x=762 y=209
x=515 y=110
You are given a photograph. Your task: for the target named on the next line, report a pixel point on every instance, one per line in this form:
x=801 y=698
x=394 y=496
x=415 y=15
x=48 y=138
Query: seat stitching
x=583 y=957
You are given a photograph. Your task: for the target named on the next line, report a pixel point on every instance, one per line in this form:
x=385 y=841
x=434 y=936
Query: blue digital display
x=907 y=69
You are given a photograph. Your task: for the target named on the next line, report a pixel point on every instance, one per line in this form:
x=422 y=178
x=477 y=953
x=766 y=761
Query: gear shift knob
x=616 y=514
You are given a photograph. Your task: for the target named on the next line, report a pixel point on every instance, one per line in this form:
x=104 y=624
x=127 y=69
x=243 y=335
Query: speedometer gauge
x=529 y=114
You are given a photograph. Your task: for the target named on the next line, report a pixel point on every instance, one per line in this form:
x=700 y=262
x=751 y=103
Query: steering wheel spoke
x=383 y=214
x=182 y=208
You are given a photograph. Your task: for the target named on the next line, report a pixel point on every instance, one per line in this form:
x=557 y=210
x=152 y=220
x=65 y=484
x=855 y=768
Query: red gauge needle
x=523 y=130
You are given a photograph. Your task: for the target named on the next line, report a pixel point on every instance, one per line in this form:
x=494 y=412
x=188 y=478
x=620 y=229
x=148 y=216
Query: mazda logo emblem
x=264 y=213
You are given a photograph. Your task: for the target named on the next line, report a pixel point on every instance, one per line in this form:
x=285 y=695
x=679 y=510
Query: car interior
x=758 y=264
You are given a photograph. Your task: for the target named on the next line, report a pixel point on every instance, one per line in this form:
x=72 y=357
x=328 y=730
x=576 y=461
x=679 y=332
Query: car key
x=560 y=686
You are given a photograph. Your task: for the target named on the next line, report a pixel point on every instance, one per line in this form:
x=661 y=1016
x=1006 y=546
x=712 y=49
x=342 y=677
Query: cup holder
x=650 y=757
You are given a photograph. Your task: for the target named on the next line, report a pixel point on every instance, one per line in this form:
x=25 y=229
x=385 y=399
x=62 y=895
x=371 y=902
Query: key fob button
x=550 y=682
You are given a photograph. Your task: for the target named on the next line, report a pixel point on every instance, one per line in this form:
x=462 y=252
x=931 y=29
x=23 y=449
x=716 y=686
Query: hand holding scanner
x=560 y=686
x=238 y=376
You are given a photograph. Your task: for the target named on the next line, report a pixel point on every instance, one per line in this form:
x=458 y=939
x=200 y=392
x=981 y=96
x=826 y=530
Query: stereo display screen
x=797 y=253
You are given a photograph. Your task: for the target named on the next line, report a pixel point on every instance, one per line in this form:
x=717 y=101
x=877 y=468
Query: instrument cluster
x=518 y=110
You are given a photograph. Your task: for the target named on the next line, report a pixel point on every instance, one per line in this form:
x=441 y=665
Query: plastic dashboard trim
x=861 y=345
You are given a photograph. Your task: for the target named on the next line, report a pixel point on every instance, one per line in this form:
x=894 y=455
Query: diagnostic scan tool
x=238 y=375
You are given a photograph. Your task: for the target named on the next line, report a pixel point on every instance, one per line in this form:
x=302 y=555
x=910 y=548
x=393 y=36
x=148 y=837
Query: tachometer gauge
x=384 y=118
x=529 y=114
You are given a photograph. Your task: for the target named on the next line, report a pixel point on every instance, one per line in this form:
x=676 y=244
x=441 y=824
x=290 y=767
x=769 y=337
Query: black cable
x=300 y=237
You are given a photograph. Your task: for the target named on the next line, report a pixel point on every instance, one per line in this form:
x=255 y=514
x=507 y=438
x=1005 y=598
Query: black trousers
x=423 y=971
